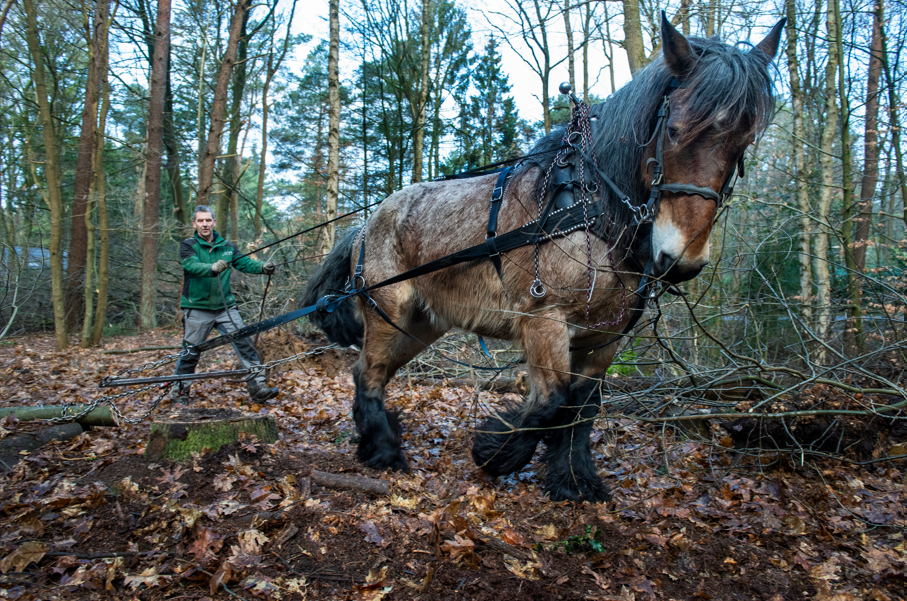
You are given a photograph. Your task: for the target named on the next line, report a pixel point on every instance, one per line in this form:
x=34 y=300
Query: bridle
x=646 y=213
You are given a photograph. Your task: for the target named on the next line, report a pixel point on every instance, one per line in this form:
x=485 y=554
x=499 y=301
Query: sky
x=526 y=86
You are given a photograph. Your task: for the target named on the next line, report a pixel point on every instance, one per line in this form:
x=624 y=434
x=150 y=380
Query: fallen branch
x=499 y=545
x=140 y=350
x=11 y=447
x=99 y=416
x=351 y=482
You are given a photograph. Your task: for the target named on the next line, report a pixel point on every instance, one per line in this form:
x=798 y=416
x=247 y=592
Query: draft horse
x=688 y=117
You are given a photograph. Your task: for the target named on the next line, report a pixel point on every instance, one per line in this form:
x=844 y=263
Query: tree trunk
x=587 y=33
x=99 y=416
x=180 y=209
x=229 y=181
x=422 y=102
x=52 y=175
x=571 y=59
x=853 y=334
x=870 y=141
x=151 y=207
x=219 y=105
x=78 y=239
x=192 y=430
x=333 y=183
x=633 y=45
x=894 y=123
x=801 y=176
x=823 y=276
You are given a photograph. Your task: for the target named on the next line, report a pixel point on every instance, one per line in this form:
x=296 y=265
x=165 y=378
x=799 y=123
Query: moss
x=178 y=440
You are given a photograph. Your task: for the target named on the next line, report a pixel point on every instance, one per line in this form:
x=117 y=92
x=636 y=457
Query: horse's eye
x=673 y=133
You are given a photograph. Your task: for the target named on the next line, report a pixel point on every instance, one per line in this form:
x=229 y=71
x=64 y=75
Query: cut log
x=351 y=482
x=188 y=431
x=11 y=447
x=99 y=416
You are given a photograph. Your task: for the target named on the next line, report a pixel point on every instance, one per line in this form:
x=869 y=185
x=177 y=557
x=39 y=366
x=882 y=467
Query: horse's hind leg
x=571 y=471
x=506 y=441
x=385 y=350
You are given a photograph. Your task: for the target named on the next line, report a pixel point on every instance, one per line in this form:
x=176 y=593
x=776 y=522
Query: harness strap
x=491 y=233
x=564 y=221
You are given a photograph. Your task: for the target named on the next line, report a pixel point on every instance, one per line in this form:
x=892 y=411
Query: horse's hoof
x=384 y=459
x=590 y=489
x=499 y=454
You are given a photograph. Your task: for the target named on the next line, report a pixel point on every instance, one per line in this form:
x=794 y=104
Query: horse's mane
x=728 y=85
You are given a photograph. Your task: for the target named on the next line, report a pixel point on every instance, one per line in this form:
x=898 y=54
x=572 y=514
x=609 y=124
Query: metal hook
x=537 y=289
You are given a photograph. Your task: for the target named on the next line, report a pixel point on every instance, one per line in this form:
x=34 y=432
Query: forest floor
x=93 y=518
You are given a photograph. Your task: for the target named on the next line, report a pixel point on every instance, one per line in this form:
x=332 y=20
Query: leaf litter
x=92 y=517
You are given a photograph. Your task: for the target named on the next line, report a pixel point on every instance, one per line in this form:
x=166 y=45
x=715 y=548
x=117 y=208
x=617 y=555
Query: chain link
x=264 y=367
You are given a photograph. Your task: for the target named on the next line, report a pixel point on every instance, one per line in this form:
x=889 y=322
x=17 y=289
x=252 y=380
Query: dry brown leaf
x=26 y=553
x=147 y=578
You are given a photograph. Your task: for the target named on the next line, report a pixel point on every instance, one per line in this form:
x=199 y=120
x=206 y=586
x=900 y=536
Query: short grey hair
x=202 y=209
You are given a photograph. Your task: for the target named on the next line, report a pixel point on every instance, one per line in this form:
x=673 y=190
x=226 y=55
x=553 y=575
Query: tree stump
x=188 y=431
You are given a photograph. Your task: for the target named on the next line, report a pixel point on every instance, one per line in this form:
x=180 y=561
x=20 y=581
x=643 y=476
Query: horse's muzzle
x=673 y=270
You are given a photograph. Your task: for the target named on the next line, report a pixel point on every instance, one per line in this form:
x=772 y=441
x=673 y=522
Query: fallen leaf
x=26 y=553
x=147 y=578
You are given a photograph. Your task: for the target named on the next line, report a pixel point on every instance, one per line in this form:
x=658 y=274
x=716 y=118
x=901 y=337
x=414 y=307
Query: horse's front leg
x=385 y=350
x=572 y=474
x=506 y=441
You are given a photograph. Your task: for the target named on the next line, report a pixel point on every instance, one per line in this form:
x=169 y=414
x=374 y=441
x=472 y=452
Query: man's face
x=204 y=224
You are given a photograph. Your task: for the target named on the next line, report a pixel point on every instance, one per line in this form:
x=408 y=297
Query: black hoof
x=499 y=451
x=571 y=487
x=382 y=451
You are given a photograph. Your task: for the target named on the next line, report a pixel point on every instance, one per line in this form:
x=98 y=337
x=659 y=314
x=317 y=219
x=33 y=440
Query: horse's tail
x=344 y=325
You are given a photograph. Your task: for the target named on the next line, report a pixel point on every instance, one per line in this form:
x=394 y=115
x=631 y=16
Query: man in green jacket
x=207 y=302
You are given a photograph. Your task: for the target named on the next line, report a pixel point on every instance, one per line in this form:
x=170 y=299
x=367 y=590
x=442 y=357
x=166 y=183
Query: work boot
x=179 y=395
x=259 y=392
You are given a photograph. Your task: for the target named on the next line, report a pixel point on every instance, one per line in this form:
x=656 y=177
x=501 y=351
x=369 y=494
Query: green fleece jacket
x=200 y=284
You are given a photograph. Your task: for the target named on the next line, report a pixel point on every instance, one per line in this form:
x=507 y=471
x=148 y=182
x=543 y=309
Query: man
x=207 y=303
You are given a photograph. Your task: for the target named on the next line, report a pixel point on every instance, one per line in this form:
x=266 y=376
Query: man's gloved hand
x=268 y=268
x=219 y=266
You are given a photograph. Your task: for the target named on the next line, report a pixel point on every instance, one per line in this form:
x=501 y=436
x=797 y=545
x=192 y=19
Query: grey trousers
x=198 y=323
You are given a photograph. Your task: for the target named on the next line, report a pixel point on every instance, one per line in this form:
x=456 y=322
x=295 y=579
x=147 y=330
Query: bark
x=419 y=111
x=92 y=314
x=823 y=277
x=231 y=161
x=854 y=331
x=219 y=105
x=571 y=59
x=587 y=33
x=350 y=482
x=269 y=76
x=12 y=448
x=801 y=173
x=151 y=207
x=633 y=44
x=710 y=18
x=79 y=228
x=180 y=208
x=51 y=175
x=178 y=436
x=332 y=191
x=99 y=416
x=894 y=124
x=870 y=141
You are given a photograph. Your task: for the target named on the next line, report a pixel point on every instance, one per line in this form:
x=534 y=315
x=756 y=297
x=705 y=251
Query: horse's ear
x=677 y=52
x=769 y=46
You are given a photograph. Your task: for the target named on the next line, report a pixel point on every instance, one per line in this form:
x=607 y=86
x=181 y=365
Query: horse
x=563 y=299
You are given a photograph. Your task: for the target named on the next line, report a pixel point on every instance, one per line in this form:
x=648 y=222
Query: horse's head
x=723 y=102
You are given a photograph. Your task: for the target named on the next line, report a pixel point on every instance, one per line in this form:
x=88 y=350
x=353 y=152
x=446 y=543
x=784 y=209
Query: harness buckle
x=537 y=289
x=497 y=194
x=658 y=178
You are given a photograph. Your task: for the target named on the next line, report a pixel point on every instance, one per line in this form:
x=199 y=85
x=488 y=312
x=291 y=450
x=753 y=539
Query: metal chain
x=264 y=367
x=163 y=361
